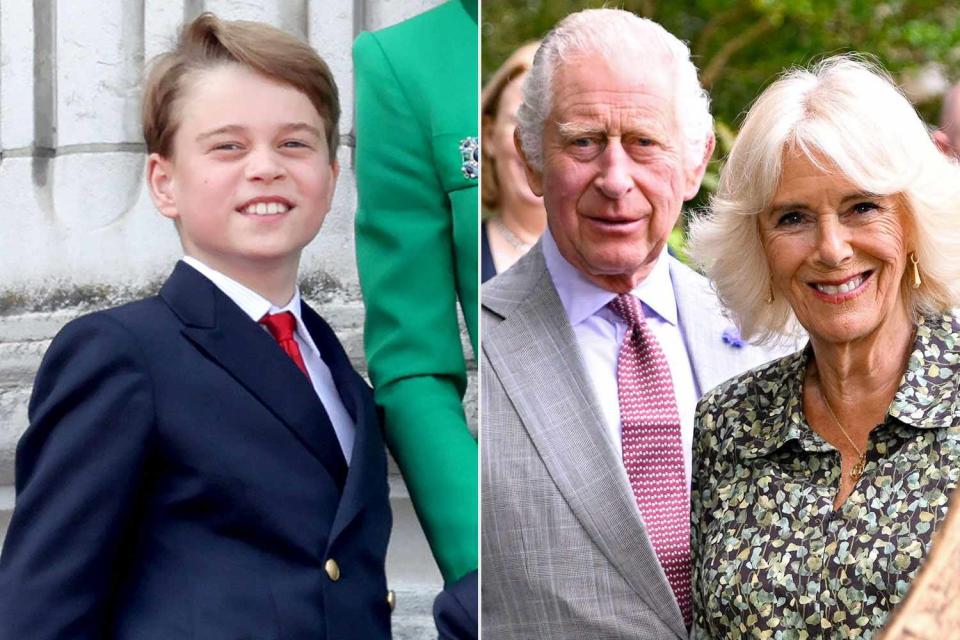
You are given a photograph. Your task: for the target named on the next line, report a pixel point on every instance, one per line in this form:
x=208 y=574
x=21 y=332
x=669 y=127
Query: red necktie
x=281 y=326
x=652 y=449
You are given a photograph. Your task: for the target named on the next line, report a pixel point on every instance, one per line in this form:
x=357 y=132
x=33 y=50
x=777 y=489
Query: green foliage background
x=740 y=46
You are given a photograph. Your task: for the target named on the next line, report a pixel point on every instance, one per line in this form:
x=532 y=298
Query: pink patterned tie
x=652 y=450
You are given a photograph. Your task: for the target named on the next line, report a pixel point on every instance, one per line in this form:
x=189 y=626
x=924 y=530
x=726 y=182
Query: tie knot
x=280 y=325
x=628 y=308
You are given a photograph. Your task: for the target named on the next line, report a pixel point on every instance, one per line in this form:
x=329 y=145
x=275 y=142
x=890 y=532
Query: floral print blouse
x=771 y=558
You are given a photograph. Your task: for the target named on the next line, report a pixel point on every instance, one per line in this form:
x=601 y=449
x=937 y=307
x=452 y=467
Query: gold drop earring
x=916 y=270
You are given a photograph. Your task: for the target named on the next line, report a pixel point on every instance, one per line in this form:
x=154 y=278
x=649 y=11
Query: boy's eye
x=294 y=144
x=226 y=146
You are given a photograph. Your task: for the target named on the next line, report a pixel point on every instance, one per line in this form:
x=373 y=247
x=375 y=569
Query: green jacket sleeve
x=414 y=257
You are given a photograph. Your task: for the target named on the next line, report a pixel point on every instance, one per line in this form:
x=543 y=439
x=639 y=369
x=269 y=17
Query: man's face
x=250 y=178
x=615 y=169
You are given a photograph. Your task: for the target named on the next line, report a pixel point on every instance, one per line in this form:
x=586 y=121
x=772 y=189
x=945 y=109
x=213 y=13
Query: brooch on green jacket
x=470 y=158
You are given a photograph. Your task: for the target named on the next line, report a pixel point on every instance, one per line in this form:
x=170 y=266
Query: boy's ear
x=334 y=174
x=160 y=179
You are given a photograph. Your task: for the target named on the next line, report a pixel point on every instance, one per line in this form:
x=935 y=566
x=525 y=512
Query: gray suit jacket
x=564 y=553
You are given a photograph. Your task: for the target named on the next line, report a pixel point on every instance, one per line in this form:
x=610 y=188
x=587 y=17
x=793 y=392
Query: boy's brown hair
x=208 y=42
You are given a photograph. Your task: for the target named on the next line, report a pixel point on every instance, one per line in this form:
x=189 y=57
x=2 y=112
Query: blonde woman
x=820 y=478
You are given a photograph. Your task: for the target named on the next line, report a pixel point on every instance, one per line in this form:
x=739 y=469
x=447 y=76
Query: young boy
x=205 y=463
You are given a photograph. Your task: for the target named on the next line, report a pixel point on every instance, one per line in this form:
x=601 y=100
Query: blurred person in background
x=516 y=217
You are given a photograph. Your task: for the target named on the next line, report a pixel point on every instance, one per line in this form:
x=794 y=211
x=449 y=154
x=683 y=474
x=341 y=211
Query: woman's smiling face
x=837 y=253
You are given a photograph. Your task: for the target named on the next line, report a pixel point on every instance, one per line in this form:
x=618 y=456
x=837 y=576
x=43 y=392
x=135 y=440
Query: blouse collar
x=926 y=398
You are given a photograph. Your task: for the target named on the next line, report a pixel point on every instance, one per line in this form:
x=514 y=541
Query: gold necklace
x=857 y=470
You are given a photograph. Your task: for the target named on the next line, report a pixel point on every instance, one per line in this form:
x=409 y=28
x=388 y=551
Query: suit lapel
x=702 y=325
x=367 y=469
x=534 y=353
x=229 y=337
x=715 y=359
x=367 y=445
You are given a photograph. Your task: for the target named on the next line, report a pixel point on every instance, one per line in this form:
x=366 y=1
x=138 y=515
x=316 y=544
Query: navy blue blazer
x=180 y=479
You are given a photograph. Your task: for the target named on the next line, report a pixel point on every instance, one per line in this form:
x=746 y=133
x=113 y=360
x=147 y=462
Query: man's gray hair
x=613 y=34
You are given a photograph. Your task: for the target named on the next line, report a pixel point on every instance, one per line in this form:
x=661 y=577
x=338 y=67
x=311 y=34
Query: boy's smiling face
x=250 y=178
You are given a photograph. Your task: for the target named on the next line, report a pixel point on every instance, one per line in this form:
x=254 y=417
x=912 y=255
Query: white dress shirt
x=256 y=306
x=599 y=332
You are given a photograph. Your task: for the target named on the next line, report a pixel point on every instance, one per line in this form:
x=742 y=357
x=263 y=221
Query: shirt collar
x=251 y=302
x=582 y=299
x=778 y=399
x=926 y=398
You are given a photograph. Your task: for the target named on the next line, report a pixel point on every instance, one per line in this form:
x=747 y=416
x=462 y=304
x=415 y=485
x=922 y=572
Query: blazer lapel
x=367 y=470
x=534 y=353
x=228 y=336
x=353 y=391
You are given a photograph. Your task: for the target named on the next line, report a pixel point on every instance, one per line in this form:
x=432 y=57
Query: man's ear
x=694 y=174
x=534 y=176
x=160 y=180
x=942 y=140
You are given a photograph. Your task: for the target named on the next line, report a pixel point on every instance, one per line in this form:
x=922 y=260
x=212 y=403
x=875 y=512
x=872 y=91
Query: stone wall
x=80 y=232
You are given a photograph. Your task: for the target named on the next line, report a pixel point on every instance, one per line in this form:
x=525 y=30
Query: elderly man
x=597 y=345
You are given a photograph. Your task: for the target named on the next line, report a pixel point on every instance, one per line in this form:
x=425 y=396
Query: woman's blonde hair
x=846 y=115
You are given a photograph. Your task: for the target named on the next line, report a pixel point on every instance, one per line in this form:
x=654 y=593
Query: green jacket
x=417 y=102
